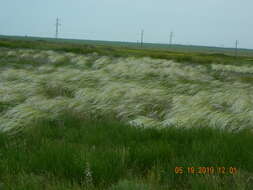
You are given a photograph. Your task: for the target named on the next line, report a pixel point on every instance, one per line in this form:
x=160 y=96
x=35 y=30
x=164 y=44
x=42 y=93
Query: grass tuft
x=100 y=154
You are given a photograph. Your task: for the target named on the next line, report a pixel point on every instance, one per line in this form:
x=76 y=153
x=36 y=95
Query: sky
x=193 y=22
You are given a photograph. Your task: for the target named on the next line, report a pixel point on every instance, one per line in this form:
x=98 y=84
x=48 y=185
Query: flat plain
x=88 y=116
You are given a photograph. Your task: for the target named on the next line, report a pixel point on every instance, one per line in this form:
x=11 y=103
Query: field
x=134 y=45
x=77 y=116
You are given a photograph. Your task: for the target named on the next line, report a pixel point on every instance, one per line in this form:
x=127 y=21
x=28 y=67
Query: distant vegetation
x=180 y=54
x=150 y=46
x=77 y=116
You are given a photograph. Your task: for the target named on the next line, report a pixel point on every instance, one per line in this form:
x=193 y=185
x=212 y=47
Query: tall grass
x=141 y=91
x=105 y=121
x=102 y=154
x=181 y=55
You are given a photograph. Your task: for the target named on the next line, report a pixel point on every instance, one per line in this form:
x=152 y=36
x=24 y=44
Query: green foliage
x=98 y=154
x=60 y=101
x=129 y=185
x=119 y=51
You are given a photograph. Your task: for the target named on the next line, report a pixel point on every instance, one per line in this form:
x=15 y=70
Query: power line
x=236 y=48
x=57 y=27
x=142 y=37
x=171 y=37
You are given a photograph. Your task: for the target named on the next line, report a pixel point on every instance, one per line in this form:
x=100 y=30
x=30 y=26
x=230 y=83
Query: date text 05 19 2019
x=206 y=170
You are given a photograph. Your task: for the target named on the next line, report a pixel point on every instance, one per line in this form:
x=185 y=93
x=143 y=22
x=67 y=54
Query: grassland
x=153 y=46
x=77 y=154
x=101 y=117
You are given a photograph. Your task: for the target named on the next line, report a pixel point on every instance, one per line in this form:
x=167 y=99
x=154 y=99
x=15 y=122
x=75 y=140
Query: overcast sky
x=196 y=22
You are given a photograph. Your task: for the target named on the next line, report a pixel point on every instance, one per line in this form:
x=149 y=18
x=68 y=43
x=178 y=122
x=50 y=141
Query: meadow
x=136 y=45
x=99 y=117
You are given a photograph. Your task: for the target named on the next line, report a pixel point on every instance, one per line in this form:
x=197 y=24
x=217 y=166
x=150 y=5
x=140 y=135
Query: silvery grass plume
x=11 y=53
x=144 y=92
x=34 y=109
x=239 y=69
x=142 y=121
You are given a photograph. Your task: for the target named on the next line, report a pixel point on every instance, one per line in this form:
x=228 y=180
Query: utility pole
x=57 y=27
x=236 y=48
x=171 y=37
x=142 y=37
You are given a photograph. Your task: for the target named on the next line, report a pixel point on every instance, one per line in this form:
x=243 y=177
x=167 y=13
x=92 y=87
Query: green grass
x=193 y=57
x=76 y=154
x=174 y=47
x=83 y=153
